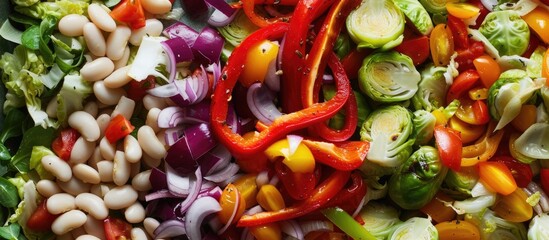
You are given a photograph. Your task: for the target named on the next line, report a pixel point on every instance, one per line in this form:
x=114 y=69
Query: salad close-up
x=274 y=119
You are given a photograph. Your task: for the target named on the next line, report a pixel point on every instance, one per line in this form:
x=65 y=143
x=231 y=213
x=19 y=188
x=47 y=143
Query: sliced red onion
x=170 y=228
x=194 y=190
x=219 y=19
x=179 y=49
x=177 y=184
x=172 y=135
x=158 y=179
x=197 y=141
x=181 y=30
x=214 y=160
x=195 y=8
x=162 y=209
x=291 y=228
x=200 y=139
x=327 y=79
x=214 y=192
x=209 y=45
x=167 y=90
x=222 y=6
x=194 y=89
x=171 y=64
x=173 y=116
x=215 y=69
x=272 y=78
x=260 y=101
x=293 y=142
x=224 y=174
x=200 y=208
x=233 y=214
x=232 y=179
x=233 y=120
x=253 y=210
x=161 y=194
x=274 y=180
x=312 y=226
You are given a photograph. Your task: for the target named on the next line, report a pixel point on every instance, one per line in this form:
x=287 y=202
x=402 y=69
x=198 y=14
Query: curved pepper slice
x=484 y=148
x=342 y=155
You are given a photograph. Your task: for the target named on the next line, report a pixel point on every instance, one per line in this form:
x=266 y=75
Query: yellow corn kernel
x=269 y=198
x=269 y=231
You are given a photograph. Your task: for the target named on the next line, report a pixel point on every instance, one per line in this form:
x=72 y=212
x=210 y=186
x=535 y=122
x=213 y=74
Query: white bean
x=72 y=25
x=150 y=161
x=95 y=158
x=56 y=166
x=94 y=40
x=150 y=224
x=74 y=186
x=101 y=189
x=108 y=96
x=152 y=119
x=132 y=149
x=68 y=221
x=141 y=181
x=121 y=169
x=118 y=78
x=86 y=173
x=135 y=213
x=97 y=69
x=87 y=237
x=150 y=101
x=107 y=149
x=101 y=18
x=91 y=108
x=81 y=151
x=150 y=143
x=93 y=205
x=47 y=188
x=60 y=203
x=138 y=234
x=105 y=169
x=161 y=135
x=124 y=60
x=95 y=227
x=157 y=6
x=124 y=107
x=117 y=42
x=120 y=197
x=152 y=28
x=103 y=121
x=85 y=124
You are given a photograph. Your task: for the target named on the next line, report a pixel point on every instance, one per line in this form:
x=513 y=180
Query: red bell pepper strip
x=293 y=55
x=326 y=191
x=343 y=156
x=237 y=145
x=277 y=2
x=350 y=197
x=260 y=21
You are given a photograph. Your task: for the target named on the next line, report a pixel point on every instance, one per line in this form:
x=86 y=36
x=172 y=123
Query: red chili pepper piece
x=322 y=195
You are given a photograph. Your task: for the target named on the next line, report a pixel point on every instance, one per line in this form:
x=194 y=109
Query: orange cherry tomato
x=257 y=62
x=457 y=230
x=538 y=20
x=247 y=187
x=497 y=176
x=437 y=210
x=469 y=132
x=514 y=207
x=527 y=116
x=488 y=69
x=228 y=201
x=462 y=10
x=441 y=45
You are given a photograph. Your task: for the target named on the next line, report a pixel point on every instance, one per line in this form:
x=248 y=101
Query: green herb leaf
x=31 y=38
x=36 y=136
x=8 y=194
x=12 y=126
x=10 y=232
x=4 y=153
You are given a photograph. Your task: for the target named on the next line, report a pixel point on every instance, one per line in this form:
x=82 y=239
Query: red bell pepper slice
x=326 y=191
x=343 y=156
x=130 y=12
x=448 y=142
x=281 y=126
x=459 y=32
x=299 y=186
x=260 y=21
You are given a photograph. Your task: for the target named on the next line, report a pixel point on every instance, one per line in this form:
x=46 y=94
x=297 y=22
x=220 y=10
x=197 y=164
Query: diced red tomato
x=130 y=12
x=480 y=109
x=466 y=56
x=521 y=172
x=532 y=45
x=116 y=229
x=118 y=128
x=448 y=142
x=462 y=83
x=416 y=48
x=137 y=90
x=353 y=61
x=63 y=144
x=299 y=186
x=41 y=219
x=459 y=32
x=544 y=178
x=483 y=12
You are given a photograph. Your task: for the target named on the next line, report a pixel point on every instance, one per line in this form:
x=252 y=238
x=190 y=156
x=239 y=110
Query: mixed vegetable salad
x=274 y=119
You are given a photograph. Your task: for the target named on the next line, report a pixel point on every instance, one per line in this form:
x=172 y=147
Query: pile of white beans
x=101 y=177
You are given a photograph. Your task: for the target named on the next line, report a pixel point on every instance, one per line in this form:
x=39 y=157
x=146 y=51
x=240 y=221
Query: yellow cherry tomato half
x=527 y=116
x=300 y=160
x=257 y=62
x=478 y=93
x=228 y=201
x=488 y=69
x=497 y=176
x=469 y=132
x=269 y=231
x=462 y=10
x=441 y=45
x=247 y=187
x=514 y=207
x=457 y=230
x=538 y=20
x=269 y=198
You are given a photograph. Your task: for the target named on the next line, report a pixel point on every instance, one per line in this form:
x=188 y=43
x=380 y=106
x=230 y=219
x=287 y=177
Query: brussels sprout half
x=388 y=77
x=418 y=179
x=381 y=219
x=494 y=227
x=424 y=127
x=416 y=13
x=534 y=141
x=437 y=7
x=507 y=31
x=388 y=130
x=415 y=228
x=376 y=24
x=432 y=89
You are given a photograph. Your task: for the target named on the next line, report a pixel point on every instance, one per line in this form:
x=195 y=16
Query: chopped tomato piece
x=130 y=12
x=497 y=176
x=466 y=57
x=299 y=186
x=480 y=109
x=63 y=144
x=138 y=89
x=41 y=219
x=462 y=83
x=415 y=48
x=459 y=31
x=521 y=172
x=488 y=70
x=448 y=142
x=116 y=229
x=118 y=128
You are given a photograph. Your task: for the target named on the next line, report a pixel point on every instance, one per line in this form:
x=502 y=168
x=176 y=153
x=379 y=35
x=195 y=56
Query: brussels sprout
x=388 y=130
x=534 y=70
x=238 y=29
x=432 y=88
x=379 y=219
x=376 y=24
x=508 y=93
x=418 y=179
x=459 y=184
x=416 y=13
x=435 y=6
x=507 y=31
x=415 y=228
x=538 y=227
x=424 y=126
x=388 y=77
x=474 y=204
x=534 y=141
x=495 y=228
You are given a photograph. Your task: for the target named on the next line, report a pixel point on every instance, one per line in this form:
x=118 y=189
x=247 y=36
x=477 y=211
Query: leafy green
x=31 y=38
x=36 y=161
x=8 y=194
x=35 y=136
x=10 y=232
x=71 y=96
x=58 y=8
x=238 y=29
x=13 y=125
